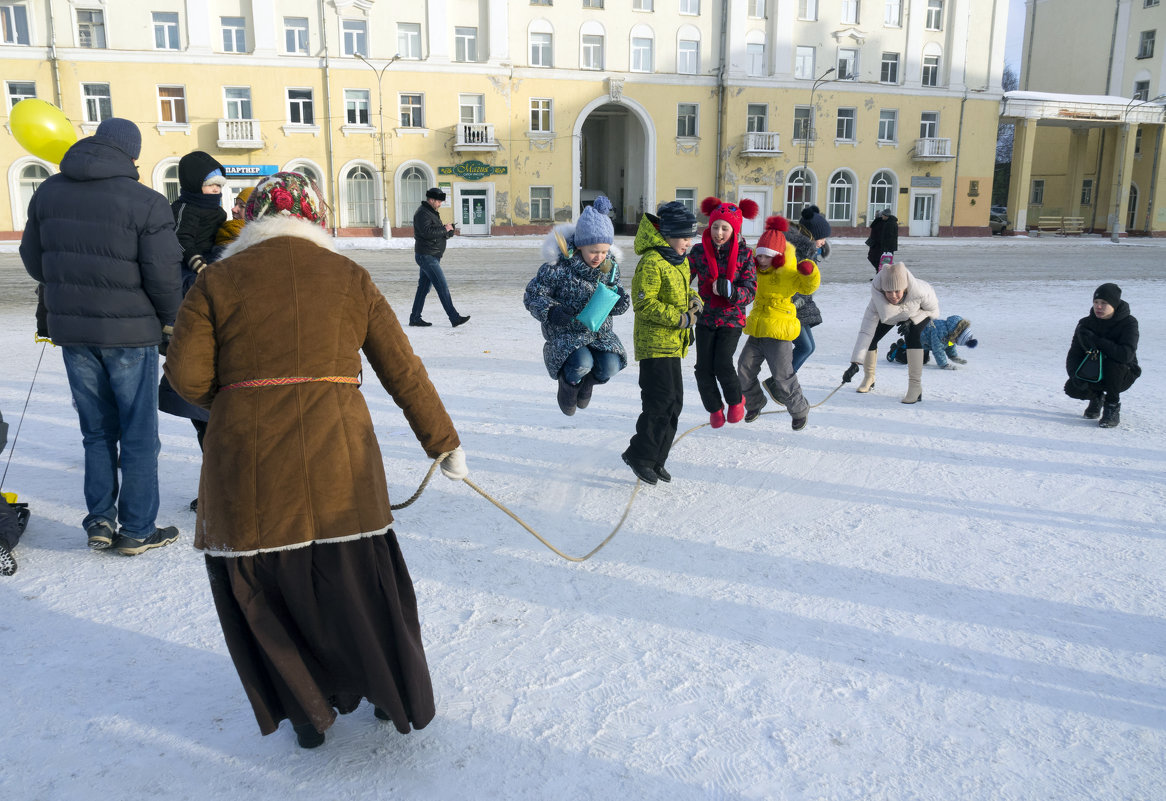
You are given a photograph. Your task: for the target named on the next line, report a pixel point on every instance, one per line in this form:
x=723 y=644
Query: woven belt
x=279 y=382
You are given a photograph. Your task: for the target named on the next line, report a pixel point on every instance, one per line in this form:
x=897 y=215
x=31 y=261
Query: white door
x=751 y=229
x=922 y=212
x=472 y=217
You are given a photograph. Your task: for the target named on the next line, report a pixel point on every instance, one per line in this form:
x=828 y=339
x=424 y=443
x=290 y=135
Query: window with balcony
x=234 y=34
x=803 y=124
x=641 y=54
x=295 y=35
x=844 y=130
x=686 y=119
x=1038 y=191
x=237 y=102
x=97 y=102
x=756 y=117
x=849 y=12
x=361 y=195
x=888 y=125
x=687 y=198
x=1141 y=90
x=929 y=125
x=804 y=63
x=299 y=107
x=1146 y=44
x=540 y=50
x=934 y=20
x=172 y=104
x=688 y=57
x=465 y=44
x=165 y=30
x=882 y=193
x=847 y=66
x=889 y=68
x=755 y=60
x=893 y=13
x=808 y=9
x=14 y=24
x=930 y=71
x=540 y=203
x=471 y=108
x=356 y=106
x=840 y=198
x=409 y=40
x=355 y=33
x=541 y=120
x=19 y=90
x=91 y=28
x=412 y=111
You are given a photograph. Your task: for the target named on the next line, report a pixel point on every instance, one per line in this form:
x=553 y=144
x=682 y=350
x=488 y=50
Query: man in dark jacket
x=104 y=247
x=884 y=237
x=429 y=235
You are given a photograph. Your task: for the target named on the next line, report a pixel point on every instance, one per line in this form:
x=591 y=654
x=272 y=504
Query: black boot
x=585 y=387
x=1110 y=416
x=1093 y=410
x=308 y=737
x=568 y=396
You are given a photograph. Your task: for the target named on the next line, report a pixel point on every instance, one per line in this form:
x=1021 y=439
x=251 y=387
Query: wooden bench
x=1072 y=225
x=1051 y=225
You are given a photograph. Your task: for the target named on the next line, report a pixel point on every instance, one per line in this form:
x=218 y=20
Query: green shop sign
x=472 y=170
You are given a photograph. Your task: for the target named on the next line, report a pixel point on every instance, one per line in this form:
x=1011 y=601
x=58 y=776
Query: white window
x=757 y=9
x=465 y=44
x=165 y=30
x=356 y=106
x=803 y=123
x=1087 y=192
x=808 y=9
x=1038 y=191
x=592 y=55
x=804 y=63
x=756 y=117
x=882 y=193
x=888 y=125
x=409 y=39
x=362 y=198
x=641 y=54
x=31 y=177
x=930 y=71
x=847 y=67
x=844 y=131
x=355 y=36
x=688 y=57
x=170 y=185
x=687 y=197
x=840 y=197
x=471 y=108
x=299 y=107
x=799 y=193
x=540 y=204
x=13 y=24
x=414 y=182
x=893 y=13
x=686 y=119
x=412 y=113
x=19 y=90
x=929 y=125
x=540 y=50
x=172 y=104
x=641 y=5
x=234 y=34
x=1141 y=90
x=850 y=12
x=91 y=28
x=592 y=3
x=1149 y=3
x=889 y=69
x=755 y=60
x=541 y=120
x=689 y=6
x=98 y=104
x=295 y=35
x=1146 y=44
x=934 y=15
x=237 y=102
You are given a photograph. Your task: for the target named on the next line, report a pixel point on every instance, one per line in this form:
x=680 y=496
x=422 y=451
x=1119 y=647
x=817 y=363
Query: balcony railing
x=762 y=143
x=243 y=134
x=932 y=149
x=475 y=136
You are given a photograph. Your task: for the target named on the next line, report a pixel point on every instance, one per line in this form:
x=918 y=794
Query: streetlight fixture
x=811 y=134
x=1120 y=158
x=385 y=232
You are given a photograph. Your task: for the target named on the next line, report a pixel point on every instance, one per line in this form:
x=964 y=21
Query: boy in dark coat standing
x=1107 y=336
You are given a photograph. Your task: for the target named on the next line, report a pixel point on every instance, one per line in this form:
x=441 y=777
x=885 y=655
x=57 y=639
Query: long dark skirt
x=314 y=630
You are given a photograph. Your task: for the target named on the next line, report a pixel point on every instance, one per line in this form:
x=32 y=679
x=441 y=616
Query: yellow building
x=526 y=110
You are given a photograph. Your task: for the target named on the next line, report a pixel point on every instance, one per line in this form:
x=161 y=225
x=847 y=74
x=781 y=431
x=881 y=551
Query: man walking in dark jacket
x=104 y=247
x=429 y=235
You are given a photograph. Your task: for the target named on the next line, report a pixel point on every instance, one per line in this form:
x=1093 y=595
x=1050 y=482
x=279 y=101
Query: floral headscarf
x=287 y=194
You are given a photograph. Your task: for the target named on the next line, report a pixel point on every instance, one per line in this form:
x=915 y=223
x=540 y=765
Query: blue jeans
x=803 y=347
x=601 y=364
x=431 y=275
x=116 y=393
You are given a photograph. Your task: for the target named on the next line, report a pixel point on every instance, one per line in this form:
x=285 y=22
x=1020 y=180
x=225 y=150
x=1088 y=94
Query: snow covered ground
x=960 y=599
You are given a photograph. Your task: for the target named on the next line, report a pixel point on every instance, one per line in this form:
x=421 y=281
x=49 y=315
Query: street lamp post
x=811 y=133
x=1120 y=158
x=385 y=232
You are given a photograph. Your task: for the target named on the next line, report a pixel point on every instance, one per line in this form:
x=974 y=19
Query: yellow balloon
x=42 y=129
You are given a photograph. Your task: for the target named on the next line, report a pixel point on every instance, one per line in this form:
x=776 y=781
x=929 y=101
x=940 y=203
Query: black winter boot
x=1093 y=410
x=568 y=396
x=1110 y=416
x=585 y=388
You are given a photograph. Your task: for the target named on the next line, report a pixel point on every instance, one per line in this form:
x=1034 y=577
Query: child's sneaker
x=770 y=386
x=161 y=536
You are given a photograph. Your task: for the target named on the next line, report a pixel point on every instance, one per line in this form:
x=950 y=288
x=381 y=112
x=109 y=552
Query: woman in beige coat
x=896 y=298
x=315 y=601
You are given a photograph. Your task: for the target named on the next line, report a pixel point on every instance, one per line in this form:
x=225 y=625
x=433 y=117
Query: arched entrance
x=614 y=155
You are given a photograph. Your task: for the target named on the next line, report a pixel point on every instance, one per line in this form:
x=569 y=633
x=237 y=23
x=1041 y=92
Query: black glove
x=559 y=315
x=724 y=288
x=167 y=330
x=1087 y=338
x=904 y=327
x=849 y=373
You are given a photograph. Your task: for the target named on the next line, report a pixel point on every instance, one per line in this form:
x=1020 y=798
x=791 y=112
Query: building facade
x=524 y=111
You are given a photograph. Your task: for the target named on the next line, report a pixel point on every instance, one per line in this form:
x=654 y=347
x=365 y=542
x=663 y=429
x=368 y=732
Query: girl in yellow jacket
x=773 y=325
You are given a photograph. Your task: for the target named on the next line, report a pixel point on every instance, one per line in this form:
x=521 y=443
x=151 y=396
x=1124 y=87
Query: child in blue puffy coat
x=942 y=336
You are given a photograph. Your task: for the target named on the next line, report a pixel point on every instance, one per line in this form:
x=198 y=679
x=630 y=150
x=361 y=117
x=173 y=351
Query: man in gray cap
x=104 y=247
x=429 y=235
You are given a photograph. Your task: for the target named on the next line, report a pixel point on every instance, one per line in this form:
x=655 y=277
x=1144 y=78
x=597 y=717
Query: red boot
x=736 y=412
x=717 y=418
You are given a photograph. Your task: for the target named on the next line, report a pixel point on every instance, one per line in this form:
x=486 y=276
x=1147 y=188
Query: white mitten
x=453 y=466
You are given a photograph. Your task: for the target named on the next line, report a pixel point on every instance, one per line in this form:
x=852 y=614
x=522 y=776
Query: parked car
x=998 y=219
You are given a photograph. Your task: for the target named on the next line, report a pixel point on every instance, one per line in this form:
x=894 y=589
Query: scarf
x=200 y=200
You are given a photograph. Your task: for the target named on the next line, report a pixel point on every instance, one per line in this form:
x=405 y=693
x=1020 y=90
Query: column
x=1120 y=188
x=498 y=35
x=1023 y=142
x=438 y=31
x=1078 y=143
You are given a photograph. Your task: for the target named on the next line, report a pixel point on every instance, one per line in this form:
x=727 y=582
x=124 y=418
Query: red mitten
x=806 y=267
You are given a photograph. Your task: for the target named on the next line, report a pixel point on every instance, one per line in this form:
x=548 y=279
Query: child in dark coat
x=198 y=212
x=1103 y=357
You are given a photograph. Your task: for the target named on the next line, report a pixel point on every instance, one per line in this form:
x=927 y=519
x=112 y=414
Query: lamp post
x=811 y=133
x=385 y=232
x=1120 y=157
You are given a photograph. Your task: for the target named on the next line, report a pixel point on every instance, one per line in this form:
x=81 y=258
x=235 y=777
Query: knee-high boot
x=914 y=376
x=868 y=371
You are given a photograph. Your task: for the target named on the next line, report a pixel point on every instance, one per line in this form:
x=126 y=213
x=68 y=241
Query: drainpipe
x=1112 y=43
x=721 y=92
x=955 y=181
x=56 y=64
x=333 y=183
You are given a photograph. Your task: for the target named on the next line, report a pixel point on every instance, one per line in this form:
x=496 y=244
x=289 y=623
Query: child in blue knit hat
x=942 y=336
x=574 y=294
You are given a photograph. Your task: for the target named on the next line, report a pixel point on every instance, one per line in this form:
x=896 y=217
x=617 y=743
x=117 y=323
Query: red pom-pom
x=708 y=204
x=777 y=223
x=806 y=267
x=749 y=208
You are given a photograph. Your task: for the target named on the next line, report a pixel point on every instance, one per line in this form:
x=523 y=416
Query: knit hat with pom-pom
x=772 y=240
x=734 y=215
x=594 y=226
x=814 y=223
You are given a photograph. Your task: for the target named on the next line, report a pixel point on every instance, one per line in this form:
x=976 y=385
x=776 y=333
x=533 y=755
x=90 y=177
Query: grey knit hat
x=122 y=134
x=594 y=226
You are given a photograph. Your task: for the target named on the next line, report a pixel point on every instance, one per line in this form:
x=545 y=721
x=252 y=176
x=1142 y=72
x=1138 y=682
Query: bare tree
x=1006 y=131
